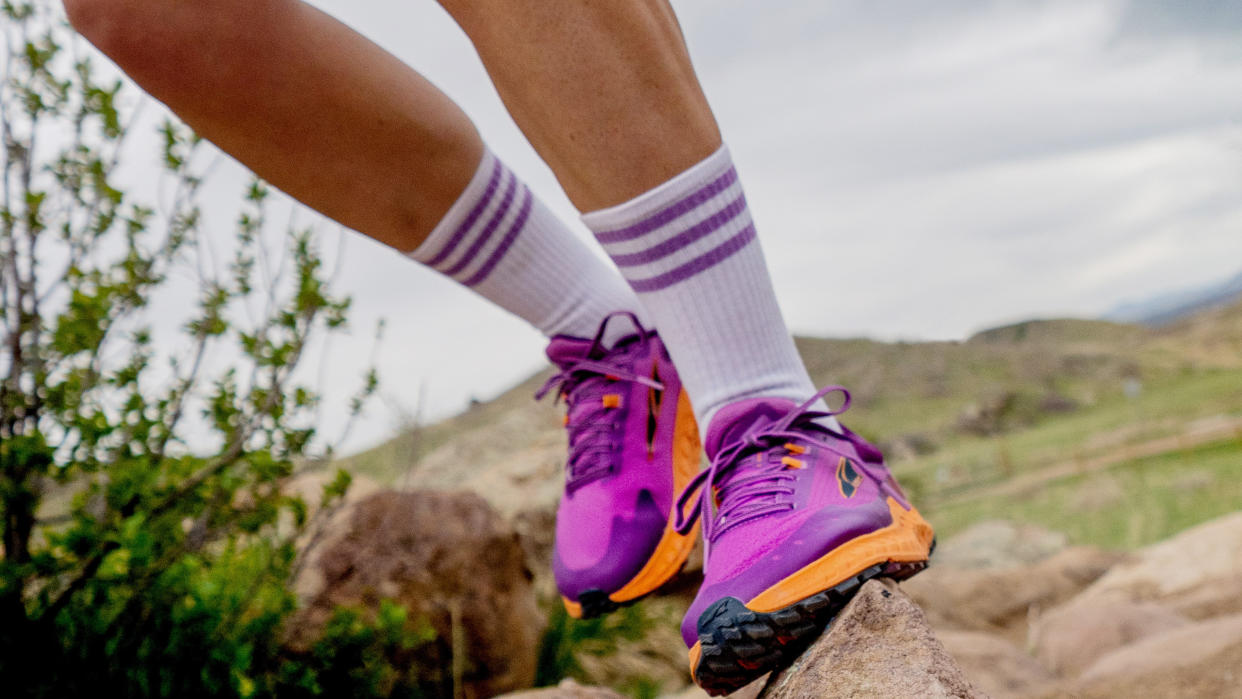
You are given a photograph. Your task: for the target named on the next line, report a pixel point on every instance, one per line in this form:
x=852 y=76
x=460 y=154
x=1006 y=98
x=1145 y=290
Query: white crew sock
x=503 y=243
x=688 y=248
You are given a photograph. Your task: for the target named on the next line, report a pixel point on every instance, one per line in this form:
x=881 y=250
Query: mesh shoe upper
x=782 y=491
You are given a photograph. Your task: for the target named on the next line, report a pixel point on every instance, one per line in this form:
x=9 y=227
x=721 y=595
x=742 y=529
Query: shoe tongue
x=733 y=420
x=563 y=350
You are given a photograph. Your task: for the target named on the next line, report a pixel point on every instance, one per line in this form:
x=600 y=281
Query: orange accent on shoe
x=795 y=448
x=695 y=653
x=565 y=420
x=792 y=462
x=573 y=608
x=612 y=400
x=907 y=539
x=673 y=548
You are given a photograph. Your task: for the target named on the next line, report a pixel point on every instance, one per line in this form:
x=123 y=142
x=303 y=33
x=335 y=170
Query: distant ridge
x=1166 y=308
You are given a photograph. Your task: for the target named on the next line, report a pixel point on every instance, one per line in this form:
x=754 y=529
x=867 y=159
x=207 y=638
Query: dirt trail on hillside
x=1199 y=433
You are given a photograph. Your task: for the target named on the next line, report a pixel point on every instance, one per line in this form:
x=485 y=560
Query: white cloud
x=995 y=161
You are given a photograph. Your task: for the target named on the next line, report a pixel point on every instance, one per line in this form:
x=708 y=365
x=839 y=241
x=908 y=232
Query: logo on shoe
x=848 y=477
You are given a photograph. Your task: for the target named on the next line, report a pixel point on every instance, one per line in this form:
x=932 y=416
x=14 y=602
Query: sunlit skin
x=603 y=90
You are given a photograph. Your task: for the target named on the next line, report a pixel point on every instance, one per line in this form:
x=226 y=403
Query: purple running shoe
x=633 y=448
x=796 y=516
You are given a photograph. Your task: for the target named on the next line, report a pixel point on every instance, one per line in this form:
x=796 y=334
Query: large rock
x=310 y=484
x=453 y=563
x=1201 y=660
x=1071 y=637
x=995 y=666
x=1001 y=601
x=1197 y=573
x=879 y=646
x=323 y=526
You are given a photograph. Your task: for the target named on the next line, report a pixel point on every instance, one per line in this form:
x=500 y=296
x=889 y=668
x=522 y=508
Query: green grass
x=1172 y=398
x=1167 y=405
x=1128 y=505
x=566 y=642
x=388 y=462
x=921 y=388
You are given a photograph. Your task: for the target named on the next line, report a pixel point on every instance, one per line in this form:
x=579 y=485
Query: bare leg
x=603 y=89
x=301 y=99
x=605 y=92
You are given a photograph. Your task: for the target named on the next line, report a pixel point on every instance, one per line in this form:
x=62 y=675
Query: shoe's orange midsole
x=907 y=539
x=695 y=653
x=674 y=548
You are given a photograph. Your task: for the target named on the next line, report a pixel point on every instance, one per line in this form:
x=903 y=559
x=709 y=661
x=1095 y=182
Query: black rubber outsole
x=595 y=603
x=738 y=645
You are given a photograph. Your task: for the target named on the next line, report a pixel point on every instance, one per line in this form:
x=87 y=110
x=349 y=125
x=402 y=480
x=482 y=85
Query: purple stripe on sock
x=492 y=184
x=663 y=216
x=706 y=227
x=699 y=264
x=519 y=224
x=484 y=235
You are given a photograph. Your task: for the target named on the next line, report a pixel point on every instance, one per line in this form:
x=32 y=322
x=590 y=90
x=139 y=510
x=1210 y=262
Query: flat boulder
x=1073 y=636
x=1201 y=660
x=1002 y=600
x=1197 y=572
x=880 y=645
x=996 y=666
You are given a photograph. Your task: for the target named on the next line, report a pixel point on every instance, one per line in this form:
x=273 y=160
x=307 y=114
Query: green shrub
x=141 y=556
x=566 y=640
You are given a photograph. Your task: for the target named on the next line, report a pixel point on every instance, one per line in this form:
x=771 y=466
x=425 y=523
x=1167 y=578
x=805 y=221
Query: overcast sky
x=917 y=170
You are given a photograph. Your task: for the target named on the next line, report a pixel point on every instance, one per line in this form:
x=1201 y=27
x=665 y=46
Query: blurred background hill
x=1166 y=308
x=1091 y=423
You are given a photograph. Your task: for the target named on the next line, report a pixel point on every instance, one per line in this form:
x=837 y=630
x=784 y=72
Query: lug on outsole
x=738 y=645
x=596 y=603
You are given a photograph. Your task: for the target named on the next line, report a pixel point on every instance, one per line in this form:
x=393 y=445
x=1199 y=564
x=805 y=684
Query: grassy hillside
x=1117 y=434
